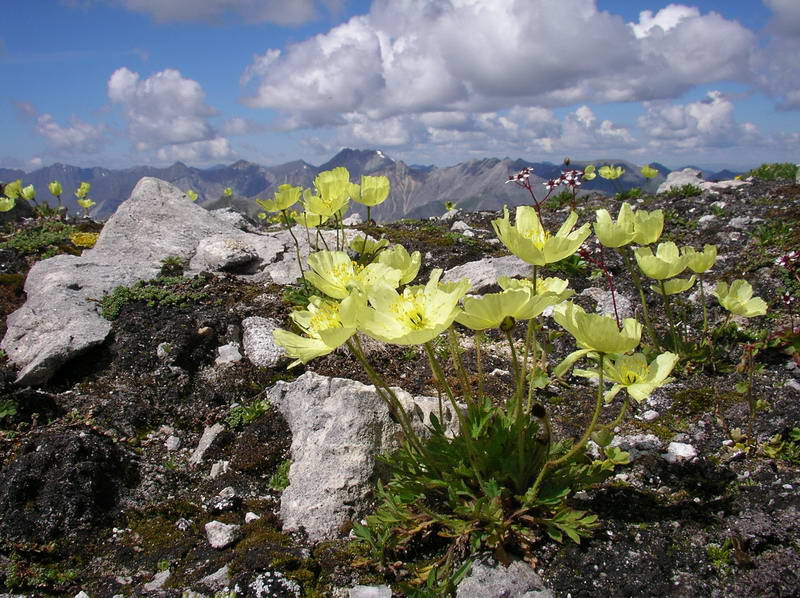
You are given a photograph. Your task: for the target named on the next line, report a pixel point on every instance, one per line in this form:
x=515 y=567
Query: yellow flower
x=414 y=317
x=649 y=172
x=674 y=286
x=334 y=190
x=6 y=204
x=615 y=234
x=29 y=193
x=398 y=258
x=530 y=242
x=335 y=274
x=364 y=245
x=666 y=263
x=551 y=284
x=738 y=299
x=647 y=226
x=83 y=190
x=611 y=172
x=373 y=190
x=13 y=190
x=594 y=332
x=285 y=197
x=55 y=189
x=634 y=374
x=310 y=219
x=700 y=262
x=490 y=310
x=192 y=195
x=326 y=324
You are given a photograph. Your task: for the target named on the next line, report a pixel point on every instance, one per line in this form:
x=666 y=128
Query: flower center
x=538 y=236
x=409 y=308
x=325 y=317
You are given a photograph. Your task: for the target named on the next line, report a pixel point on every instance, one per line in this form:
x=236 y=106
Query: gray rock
x=739 y=223
x=492 y=580
x=226 y=500
x=227 y=354
x=635 y=444
x=164 y=351
x=450 y=214
x=353 y=219
x=650 y=415
x=605 y=303
x=370 y=592
x=221 y=578
x=459 y=226
x=706 y=220
x=235 y=219
x=222 y=253
x=219 y=468
x=209 y=435
x=172 y=443
x=59 y=321
x=679 y=178
x=249 y=517
x=259 y=345
x=679 y=451
x=80 y=594
x=158 y=581
x=273 y=583
x=338 y=427
x=220 y=534
x=793 y=384
x=484 y=273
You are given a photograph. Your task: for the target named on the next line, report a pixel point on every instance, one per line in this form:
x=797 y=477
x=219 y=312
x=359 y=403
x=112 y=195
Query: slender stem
x=296 y=244
x=618 y=419
x=668 y=308
x=479 y=363
x=705 y=309
x=626 y=255
x=584 y=439
x=387 y=395
x=455 y=355
x=515 y=363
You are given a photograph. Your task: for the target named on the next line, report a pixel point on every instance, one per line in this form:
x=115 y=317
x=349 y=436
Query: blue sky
x=118 y=83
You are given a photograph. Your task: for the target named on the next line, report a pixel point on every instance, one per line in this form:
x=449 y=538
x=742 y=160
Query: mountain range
x=417 y=190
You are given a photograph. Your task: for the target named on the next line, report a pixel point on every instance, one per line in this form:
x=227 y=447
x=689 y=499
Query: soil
x=93 y=499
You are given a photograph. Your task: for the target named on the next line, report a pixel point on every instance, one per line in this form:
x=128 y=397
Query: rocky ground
x=153 y=463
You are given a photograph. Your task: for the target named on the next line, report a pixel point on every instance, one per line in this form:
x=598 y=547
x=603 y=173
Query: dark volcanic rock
x=62 y=483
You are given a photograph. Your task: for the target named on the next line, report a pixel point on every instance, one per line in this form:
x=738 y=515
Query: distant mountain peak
x=359 y=160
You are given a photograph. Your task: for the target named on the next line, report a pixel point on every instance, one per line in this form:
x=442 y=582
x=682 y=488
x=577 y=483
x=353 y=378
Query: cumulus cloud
x=281 y=12
x=697 y=125
x=426 y=56
x=775 y=67
x=163 y=109
x=77 y=137
x=198 y=152
x=241 y=126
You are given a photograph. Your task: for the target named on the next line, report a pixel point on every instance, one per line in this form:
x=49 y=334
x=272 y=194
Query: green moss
x=773 y=171
x=171 y=290
x=21 y=573
x=280 y=479
x=687 y=190
x=45 y=238
x=13 y=282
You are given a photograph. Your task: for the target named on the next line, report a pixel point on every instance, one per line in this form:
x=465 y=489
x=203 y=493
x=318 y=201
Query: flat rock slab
x=338 y=428
x=484 y=273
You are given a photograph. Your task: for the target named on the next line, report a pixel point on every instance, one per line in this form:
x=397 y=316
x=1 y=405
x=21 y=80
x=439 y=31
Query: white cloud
x=163 y=109
x=786 y=19
x=240 y=126
x=666 y=19
x=282 y=12
x=697 y=125
x=428 y=56
x=34 y=163
x=77 y=137
x=198 y=152
x=775 y=67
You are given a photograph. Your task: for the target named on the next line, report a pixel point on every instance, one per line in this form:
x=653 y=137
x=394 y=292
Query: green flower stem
x=464 y=430
x=387 y=395
x=296 y=244
x=618 y=419
x=626 y=255
x=668 y=308
x=466 y=387
x=479 y=363
x=705 y=309
x=514 y=362
x=578 y=447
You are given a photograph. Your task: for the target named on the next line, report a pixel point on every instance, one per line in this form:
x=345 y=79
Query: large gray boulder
x=493 y=580
x=61 y=318
x=338 y=428
x=484 y=273
x=679 y=178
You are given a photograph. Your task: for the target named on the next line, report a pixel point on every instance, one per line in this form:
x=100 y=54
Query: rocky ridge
x=148 y=454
